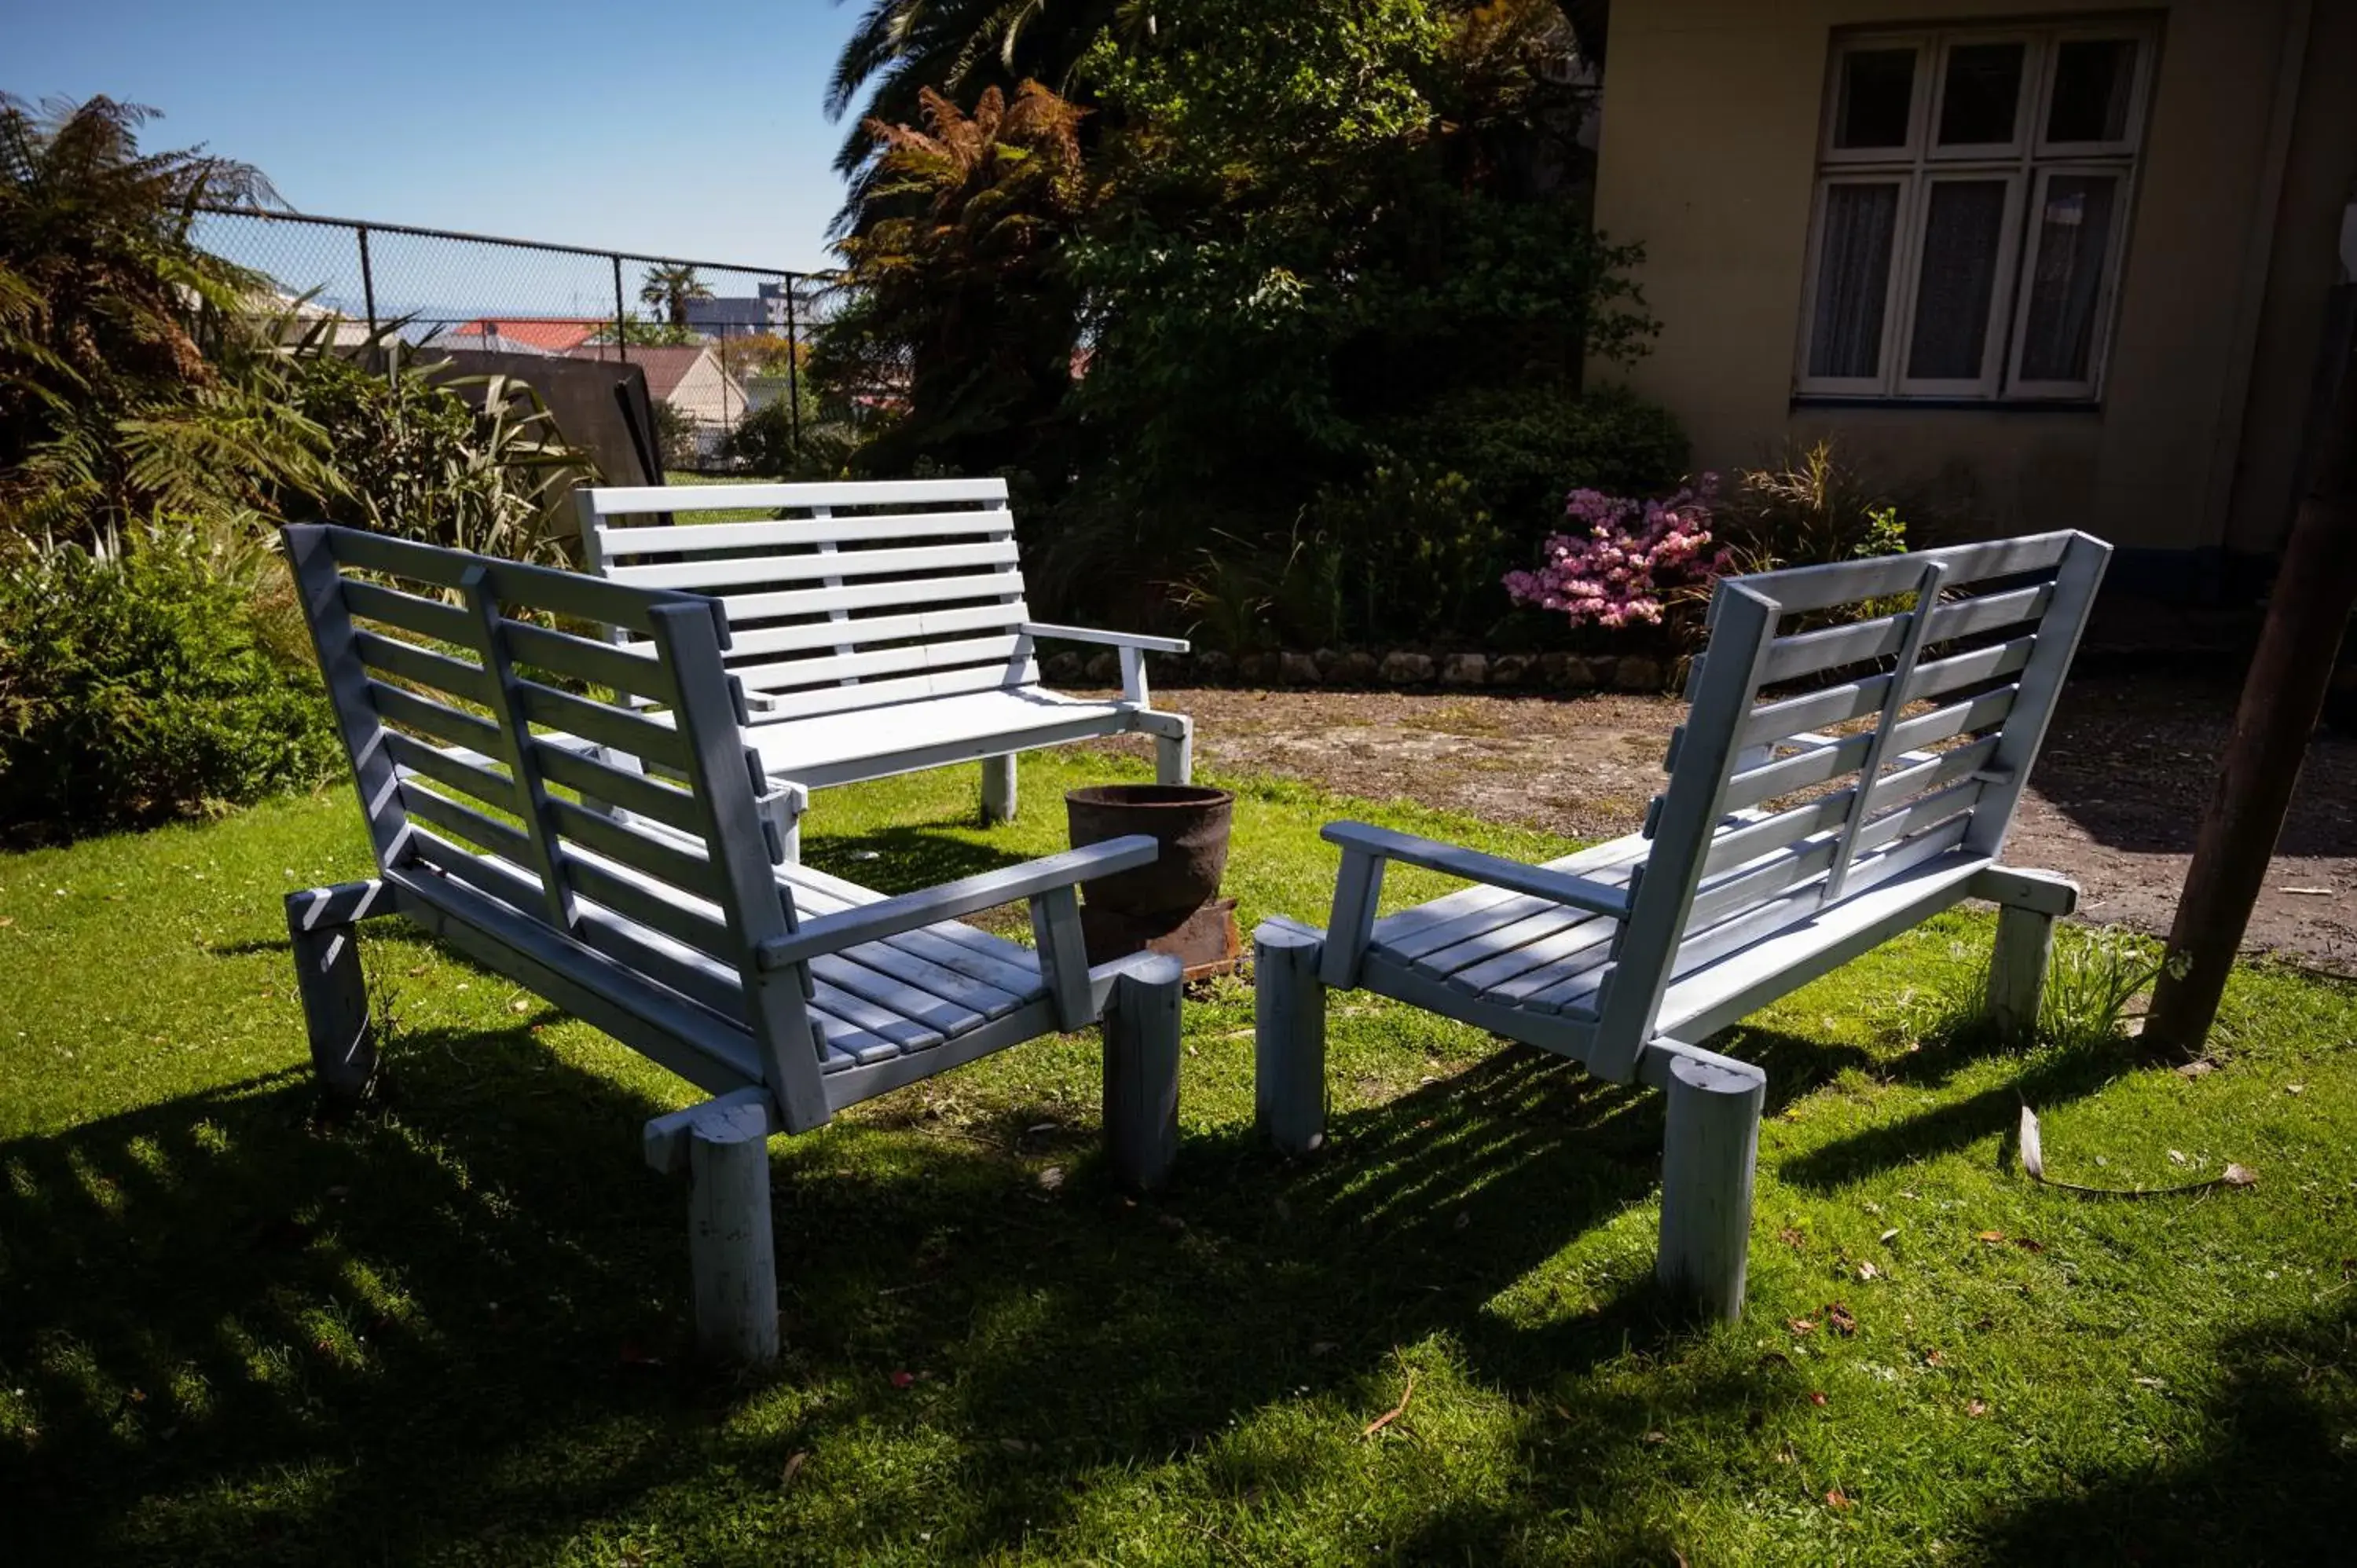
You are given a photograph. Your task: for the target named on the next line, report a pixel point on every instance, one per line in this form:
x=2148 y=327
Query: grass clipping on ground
x=456 y=1330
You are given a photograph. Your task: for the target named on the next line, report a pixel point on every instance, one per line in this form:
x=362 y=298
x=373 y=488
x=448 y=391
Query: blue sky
x=688 y=129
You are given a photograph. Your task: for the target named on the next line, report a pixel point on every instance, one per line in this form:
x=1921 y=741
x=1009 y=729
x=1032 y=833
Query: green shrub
x=1523 y=448
x=142 y=684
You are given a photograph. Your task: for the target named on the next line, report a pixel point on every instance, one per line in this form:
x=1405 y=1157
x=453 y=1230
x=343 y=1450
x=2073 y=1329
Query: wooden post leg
x=2024 y=945
x=731 y=1250
x=322 y=927
x=1141 y=1072
x=1288 y=1036
x=1713 y=1143
x=997 y=789
x=1174 y=756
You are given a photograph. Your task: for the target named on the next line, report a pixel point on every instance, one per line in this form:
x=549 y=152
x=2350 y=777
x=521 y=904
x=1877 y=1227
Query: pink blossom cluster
x=1624 y=557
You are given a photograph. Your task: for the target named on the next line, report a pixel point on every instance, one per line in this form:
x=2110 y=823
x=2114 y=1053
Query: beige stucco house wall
x=1709 y=157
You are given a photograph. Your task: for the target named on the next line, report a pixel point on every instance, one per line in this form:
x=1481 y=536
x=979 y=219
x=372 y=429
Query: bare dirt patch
x=2114 y=801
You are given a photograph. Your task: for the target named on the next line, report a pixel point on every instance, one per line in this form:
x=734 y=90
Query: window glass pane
x=1878 y=92
x=2074 y=236
x=1982 y=91
x=1853 y=280
x=1962 y=232
x=2093 y=78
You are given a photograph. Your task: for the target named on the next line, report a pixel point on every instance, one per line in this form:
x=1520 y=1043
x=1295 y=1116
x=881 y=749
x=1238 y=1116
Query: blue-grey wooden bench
x=878 y=628
x=1832 y=786
x=588 y=821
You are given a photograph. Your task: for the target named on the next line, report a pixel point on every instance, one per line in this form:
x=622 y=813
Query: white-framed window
x=1971 y=211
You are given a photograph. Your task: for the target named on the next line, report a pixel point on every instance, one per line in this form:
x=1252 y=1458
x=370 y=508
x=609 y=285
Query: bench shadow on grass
x=459 y=1321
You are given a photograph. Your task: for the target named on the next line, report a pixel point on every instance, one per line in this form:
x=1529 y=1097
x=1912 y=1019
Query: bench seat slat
x=437 y=719
x=1808 y=652
x=457 y=770
x=785 y=675
x=796 y=533
x=747 y=609
x=706 y=576
x=870 y=975
x=410 y=612
x=617 y=729
x=622 y=666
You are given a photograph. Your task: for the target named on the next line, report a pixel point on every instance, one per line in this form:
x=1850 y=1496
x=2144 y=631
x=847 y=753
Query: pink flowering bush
x=1623 y=560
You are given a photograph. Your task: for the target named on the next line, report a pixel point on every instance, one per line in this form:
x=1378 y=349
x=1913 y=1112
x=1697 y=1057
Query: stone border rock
x=1400 y=668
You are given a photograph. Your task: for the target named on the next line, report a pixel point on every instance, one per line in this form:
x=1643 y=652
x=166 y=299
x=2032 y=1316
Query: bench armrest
x=1109 y=639
x=910 y=911
x=1538 y=881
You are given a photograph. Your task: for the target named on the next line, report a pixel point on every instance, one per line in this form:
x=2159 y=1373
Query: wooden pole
x=1709 y=1151
x=1140 y=1073
x=2315 y=589
x=731 y=1250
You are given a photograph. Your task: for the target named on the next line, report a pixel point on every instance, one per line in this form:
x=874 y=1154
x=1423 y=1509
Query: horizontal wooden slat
x=1819 y=763
x=857 y=630
x=458 y=771
x=490 y=833
x=511 y=582
x=649 y=903
x=1857 y=699
x=437 y=719
x=744 y=608
x=875 y=983
x=799 y=532
x=621 y=500
x=818 y=671
x=1802 y=588
x=708 y=576
x=664 y=859
x=633 y=793
x=1808 y=652
x=427 y=617
x=423 y=667
x=631 y=668
x=610 y=727
x=809 y=702
x=1810 y=858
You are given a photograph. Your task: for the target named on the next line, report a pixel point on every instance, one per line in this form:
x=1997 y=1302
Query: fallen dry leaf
x=903 y=1380
x=1791 y=1238
x=521 y=1005
x=2197 y=1070
x=1933 y=1358
x=1838 y=1319
x=2176 y=1156
x=1800 y=1326
x=1867 y=1271
x=1051 y=1178
x=1836 y=1499
x=2240 y=1175
x=2027 y=1245
x=1657 y=1436
x=1816 y=1396
x=1974 y=1409
x=1889 y=1236
x=794 y=1462
x=1992 y=1237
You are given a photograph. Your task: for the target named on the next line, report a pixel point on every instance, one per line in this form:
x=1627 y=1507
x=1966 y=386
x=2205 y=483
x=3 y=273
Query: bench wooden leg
x=2024 y=945
x=1707 y=1160
x=1174 y=757
x=1141 y=1072
x=997 y=789
x=732 y=1252
x=322 y=926
x=1288 y=1036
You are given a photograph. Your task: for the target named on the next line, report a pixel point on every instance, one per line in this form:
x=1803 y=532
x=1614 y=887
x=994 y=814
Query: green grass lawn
x=454 y=1329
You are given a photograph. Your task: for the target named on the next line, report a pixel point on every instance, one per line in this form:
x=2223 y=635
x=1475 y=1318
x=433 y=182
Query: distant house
x=2068 y=259
x=548 y=334
x=689 y=379
x=737 y=316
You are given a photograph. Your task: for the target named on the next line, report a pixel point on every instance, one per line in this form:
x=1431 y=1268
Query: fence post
x=368 y=280
x=621 y=325
x=793 y=367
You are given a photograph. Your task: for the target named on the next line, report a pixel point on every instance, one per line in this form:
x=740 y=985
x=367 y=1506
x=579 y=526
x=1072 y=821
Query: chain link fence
x=719 y=343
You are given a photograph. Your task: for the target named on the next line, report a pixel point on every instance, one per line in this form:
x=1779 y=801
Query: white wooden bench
x=877 y=629
x=1833 y=785
x=655 y=907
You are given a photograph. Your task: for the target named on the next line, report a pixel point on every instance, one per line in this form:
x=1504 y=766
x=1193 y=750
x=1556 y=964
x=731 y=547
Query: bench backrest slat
x=603 y=794
x=1936 y=692
x=838 y=584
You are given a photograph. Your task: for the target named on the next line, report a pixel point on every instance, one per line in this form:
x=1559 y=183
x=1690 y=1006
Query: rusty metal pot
x=1190 y=822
